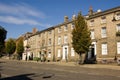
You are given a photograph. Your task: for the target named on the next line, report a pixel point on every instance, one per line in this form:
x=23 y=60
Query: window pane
x=65 y=28
x=104 y=49
x=103 y=32
x=59 y=30
x=65 y=39
x=59 y=53
x=72 y=52
x=59 y=40
x=49 y=42
x=92 y=34
x=91 y=22
x=118 y=47
x=118 y=27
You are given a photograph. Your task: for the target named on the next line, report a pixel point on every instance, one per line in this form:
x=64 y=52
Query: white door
x=95 y=48
x=65 y=52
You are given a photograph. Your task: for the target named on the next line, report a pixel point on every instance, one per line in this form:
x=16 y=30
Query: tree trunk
x=81 y=58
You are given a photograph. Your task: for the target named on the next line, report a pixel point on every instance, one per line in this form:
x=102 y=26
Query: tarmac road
x=21 y=70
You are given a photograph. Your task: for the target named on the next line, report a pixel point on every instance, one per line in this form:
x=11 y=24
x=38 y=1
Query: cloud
x=20 y=21
x=21 y=9
x=21 y=14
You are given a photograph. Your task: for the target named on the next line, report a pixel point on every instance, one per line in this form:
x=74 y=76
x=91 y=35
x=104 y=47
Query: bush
x=36 y=58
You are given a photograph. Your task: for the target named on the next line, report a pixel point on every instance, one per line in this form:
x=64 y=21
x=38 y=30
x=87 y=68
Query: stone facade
x=54 y=43
x=103 y=26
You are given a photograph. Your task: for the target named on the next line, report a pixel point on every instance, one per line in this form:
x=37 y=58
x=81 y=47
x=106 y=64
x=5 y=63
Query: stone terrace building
x=54 y=43
x=63 y=39
x=105 y=33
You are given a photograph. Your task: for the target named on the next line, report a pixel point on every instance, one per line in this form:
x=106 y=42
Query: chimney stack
x=34 y=30
x=90 y=11
x=65 y=18
x=74 y=17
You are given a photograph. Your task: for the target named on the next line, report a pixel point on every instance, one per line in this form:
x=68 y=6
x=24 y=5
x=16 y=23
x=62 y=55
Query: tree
x=19 y=46
x=3 y=33
x=81 y=37
x=10 y=46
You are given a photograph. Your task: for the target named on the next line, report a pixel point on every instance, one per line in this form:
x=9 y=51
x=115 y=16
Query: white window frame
x=65 y=27
x=92 y=23
x=118 y=27
x=103 y=19
x=65 y=39
x=49 y=41
x=59 y=40
x=59 y=29
x=59 y=53
x=104 y=49
x=103 y=32
x=118 y=47
x=92 y=34
x=72 y=52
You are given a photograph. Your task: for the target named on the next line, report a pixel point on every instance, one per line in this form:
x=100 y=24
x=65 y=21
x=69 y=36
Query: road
x=19 y=70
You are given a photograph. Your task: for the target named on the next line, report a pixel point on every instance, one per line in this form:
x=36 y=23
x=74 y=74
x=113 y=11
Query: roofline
x=112 y=10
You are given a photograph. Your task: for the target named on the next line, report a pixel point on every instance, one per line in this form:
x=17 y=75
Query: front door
x=65 y=53
x=91 y=55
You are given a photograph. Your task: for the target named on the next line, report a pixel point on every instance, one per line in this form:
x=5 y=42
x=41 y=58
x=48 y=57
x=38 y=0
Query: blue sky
x=20 y=16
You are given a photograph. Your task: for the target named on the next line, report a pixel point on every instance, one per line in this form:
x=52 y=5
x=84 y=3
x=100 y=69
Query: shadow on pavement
x=19 y=77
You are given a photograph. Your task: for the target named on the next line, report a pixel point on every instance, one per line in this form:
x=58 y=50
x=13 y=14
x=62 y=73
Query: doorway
x=65 y=53
x=91 y=55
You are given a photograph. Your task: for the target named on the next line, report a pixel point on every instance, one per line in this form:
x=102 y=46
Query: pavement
x=113 y=66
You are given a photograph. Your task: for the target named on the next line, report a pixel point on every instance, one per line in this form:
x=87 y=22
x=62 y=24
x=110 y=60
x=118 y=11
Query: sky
x=21 y=16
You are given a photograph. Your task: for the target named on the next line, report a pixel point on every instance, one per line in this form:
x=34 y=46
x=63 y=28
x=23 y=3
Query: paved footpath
x=105 y=66
x=114 y=66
